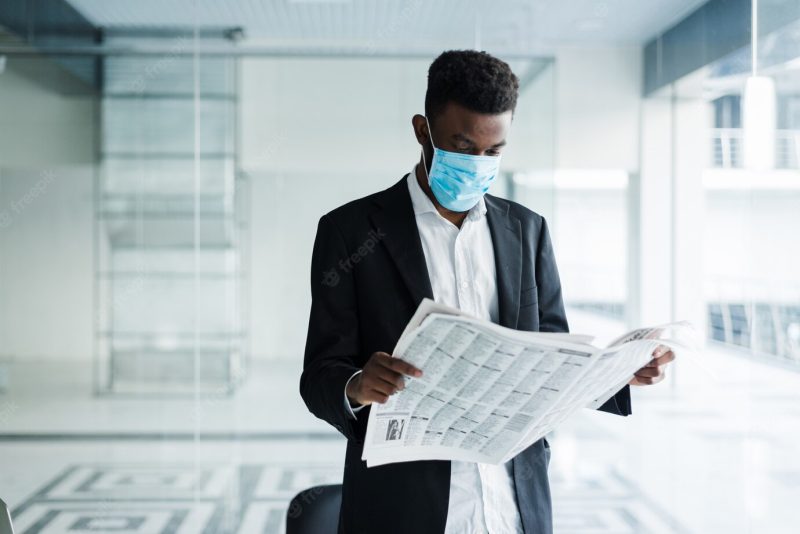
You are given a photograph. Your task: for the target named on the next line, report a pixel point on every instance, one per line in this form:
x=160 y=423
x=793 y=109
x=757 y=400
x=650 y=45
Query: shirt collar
x=423 y=204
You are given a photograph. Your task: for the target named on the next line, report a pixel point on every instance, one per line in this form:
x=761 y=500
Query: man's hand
x=653 y=372
x=380 y=378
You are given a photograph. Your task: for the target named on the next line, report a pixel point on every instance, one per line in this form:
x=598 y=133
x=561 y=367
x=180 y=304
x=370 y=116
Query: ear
x=420 y=129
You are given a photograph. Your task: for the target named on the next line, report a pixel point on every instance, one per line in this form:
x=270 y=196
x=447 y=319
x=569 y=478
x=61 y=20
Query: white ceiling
x=512 y=26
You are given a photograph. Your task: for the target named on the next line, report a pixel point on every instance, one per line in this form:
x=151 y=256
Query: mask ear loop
x=430 y=137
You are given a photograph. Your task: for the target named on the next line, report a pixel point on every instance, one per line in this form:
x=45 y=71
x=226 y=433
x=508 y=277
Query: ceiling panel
x=521 y=26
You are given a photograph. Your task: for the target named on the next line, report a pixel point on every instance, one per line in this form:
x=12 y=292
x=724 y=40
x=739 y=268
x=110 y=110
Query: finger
x=380 y=359
x=641 y=381
x=381 y=386
x=399 y=366
x=646 y=380
x=392 y=387
x=659 y=378
x=648 y=372
x=664 y=358
x=394 y=378
x=659 y=350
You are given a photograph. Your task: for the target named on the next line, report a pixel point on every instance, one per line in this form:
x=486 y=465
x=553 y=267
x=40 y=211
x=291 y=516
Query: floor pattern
x=253 y=499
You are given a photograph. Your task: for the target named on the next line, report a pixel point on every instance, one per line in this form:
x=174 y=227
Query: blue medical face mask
x=459 y=181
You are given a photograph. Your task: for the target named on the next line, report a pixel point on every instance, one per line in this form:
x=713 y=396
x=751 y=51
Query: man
x=437 y=234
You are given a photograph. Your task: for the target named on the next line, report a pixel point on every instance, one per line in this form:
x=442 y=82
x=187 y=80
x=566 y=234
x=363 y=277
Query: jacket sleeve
x=332 y=343
x=553 y=318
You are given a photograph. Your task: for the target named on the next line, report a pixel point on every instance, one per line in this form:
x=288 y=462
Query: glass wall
x=752 y=198
x=170 y=221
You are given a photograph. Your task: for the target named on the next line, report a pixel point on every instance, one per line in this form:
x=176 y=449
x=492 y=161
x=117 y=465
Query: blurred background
x=163 y=165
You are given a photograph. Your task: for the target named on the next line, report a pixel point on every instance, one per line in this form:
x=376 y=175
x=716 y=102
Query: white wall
x=38 y=123
x=46 y=263
x=314 y=134
x=598 y=99
x=597 y=117
x=46 y=149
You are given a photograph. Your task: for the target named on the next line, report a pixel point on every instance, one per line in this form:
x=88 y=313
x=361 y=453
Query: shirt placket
x=467 y=302
x=464 y=282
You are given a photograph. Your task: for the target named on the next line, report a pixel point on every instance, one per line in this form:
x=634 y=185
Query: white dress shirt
x=461 y=268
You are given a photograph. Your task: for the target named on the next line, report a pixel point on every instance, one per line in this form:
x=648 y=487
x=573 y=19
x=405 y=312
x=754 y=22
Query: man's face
x=458 y=129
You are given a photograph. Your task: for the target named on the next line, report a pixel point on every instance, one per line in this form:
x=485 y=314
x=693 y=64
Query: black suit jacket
x=368 y=275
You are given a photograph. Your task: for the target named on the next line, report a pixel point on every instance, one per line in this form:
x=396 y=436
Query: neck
x=455 y=217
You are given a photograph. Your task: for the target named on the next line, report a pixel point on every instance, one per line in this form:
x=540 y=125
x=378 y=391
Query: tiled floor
x=713 y=451
x=251 y=498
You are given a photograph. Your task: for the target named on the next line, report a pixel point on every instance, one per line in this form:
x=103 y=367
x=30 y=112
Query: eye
x=493 y=152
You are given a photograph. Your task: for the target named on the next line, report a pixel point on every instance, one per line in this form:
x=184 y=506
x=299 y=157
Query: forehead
x=455 y=119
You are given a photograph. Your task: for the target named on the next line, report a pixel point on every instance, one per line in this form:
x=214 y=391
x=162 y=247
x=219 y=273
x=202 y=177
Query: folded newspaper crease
x=488 y=392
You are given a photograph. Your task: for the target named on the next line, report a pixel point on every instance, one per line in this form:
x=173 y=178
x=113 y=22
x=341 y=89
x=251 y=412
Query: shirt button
x=465 y=284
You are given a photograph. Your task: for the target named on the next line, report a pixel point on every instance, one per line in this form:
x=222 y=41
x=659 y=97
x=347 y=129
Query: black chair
x=315 y=511
x=5 y=519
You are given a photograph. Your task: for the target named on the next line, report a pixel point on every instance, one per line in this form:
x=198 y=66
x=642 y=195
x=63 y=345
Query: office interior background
x=163 y=165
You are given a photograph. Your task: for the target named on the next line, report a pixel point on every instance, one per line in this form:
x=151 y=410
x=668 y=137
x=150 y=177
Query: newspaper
x=488 y=392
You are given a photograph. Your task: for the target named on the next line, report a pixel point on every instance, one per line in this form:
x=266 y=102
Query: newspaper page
x=676 y=335
x=487 y=392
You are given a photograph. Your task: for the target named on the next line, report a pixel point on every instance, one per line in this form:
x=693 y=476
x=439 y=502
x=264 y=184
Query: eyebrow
x=461 y=137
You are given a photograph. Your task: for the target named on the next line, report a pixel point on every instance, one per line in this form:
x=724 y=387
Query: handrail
x=727 y=145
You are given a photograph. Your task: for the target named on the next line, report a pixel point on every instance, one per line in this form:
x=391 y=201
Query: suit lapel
x=507 y=243
x=397 y=222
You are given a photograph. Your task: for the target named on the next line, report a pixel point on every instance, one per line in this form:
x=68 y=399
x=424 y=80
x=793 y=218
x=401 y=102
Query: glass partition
x=170 y=224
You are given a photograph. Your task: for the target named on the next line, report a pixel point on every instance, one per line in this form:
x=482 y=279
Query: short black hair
x=476 y=80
